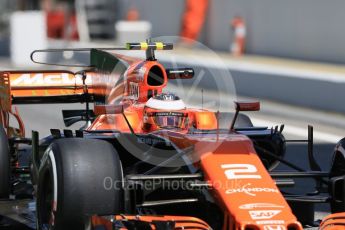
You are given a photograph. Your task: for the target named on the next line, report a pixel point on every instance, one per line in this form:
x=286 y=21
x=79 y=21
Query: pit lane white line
x=299 y=132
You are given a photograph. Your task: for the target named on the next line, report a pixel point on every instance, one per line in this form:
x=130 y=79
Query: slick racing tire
x=242 y=121
x=78 y=178
x=5 y=169
x=337 y=178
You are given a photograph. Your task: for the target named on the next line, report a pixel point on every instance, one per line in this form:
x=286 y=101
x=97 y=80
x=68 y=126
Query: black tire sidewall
x=81 y=167
x=46 y=171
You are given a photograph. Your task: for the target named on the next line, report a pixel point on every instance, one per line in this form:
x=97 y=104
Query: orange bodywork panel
x=138 y=80
x=205 y=120
x=6 y=108
x=334 y=221
x=238 y=180
x=244 y=187
x=5 y=99
x=117 y=122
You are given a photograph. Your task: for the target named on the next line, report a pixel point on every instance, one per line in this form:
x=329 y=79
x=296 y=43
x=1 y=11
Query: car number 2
x=240 y=171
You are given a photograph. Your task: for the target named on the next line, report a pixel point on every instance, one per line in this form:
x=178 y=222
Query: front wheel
x=77 y=178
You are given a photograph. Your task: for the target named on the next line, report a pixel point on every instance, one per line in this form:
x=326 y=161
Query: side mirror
x=244 y=106
x=247 y=106
x=181 y=73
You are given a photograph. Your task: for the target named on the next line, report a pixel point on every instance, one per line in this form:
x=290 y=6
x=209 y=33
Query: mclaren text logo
x=47 y=79
x=251 y=191
x=263 y=214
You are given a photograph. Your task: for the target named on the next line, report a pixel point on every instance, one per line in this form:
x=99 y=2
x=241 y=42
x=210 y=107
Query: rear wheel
x=77 y=178
x=5 y=170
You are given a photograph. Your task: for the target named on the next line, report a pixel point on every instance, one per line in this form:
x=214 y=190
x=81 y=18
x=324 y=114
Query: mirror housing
x=247 y=106
x=243 y=106
x=180 y=73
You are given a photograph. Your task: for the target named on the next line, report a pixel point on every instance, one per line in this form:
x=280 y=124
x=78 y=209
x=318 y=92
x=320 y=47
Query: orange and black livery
x=145 y=159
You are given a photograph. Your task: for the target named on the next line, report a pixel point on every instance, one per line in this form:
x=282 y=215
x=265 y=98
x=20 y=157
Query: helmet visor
x=169 y=120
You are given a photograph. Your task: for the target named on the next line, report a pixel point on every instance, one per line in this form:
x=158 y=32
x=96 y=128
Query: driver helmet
x=165 y=111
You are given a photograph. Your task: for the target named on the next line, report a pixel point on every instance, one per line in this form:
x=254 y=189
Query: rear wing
x=62 y=86
x=39 y=87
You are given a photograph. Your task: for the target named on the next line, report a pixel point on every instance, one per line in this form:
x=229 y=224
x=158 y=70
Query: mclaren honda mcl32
x=146 y=160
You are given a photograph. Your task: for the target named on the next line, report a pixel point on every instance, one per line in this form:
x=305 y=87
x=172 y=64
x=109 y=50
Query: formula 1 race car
x=146 y=160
